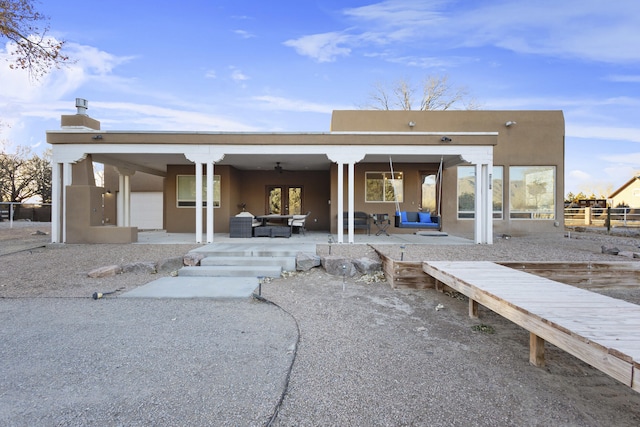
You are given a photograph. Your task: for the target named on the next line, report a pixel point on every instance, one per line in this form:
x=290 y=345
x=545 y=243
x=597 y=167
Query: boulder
x=367 y=265
x=333 y=264
x=610 y=250
x=106 y=271
x=170 y=264
x=305 y=261
x=192 y=259
x=140 y=267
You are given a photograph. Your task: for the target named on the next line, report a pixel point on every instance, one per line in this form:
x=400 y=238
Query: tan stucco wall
x=249 y=187
x=536 y=139
x=84 y=218
x=79 y=121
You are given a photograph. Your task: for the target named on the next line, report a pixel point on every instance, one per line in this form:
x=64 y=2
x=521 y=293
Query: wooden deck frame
x=601 y=331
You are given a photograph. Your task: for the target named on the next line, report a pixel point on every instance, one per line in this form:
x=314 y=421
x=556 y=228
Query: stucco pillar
x=210 y=206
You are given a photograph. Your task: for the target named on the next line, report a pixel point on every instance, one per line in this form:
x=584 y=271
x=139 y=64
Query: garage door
x=146 y=210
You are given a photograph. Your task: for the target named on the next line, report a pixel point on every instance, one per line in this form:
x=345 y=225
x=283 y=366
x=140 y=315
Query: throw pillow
x=425 y=217
x=403 y=216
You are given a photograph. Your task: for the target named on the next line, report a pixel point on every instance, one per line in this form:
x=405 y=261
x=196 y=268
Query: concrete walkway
x=214 y=285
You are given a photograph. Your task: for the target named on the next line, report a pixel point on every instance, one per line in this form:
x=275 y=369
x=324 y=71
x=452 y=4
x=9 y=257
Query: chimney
x=82 y=105
x=80 y=120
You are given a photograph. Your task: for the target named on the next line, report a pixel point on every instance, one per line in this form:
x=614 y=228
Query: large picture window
x=467 y=191
x=384 y=187
x=186 y=191
x=532 y=192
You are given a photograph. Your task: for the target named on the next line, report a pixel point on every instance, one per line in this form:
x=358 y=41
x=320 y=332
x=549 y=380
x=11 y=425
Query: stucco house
x=628 y=195
x=484 y=173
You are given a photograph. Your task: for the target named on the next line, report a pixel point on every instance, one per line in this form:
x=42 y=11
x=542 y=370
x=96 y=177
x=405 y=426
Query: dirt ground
x=489 y=357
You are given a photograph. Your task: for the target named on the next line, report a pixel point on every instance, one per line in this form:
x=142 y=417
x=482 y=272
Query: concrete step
x=286 y=263
x=231 y=271
x=196 y=287
x=255 y=249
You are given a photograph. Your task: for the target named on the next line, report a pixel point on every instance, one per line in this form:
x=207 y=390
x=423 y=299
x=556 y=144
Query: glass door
x=429 y=201
x=284 y=200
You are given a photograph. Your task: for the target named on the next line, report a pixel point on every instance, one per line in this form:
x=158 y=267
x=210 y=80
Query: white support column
x=198 y=202
x=351 y=196
x=67 y=179
x=340 y=202
x=123 y=201
x=488 y=228
x=479 y=212
x=120 y=202
x=57 y=203
x=483 y=204
x=210 y=207
x=127 y=201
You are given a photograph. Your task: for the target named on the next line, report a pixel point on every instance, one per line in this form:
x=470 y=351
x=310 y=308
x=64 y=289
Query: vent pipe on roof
x=82 y=105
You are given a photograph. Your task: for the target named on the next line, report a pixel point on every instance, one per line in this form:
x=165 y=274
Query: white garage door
x=146 y=210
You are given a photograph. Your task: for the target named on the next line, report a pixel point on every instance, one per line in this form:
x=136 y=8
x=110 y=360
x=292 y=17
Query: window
x=467 y=192
x=383 y=187
x=532 y=192
x=186 y=191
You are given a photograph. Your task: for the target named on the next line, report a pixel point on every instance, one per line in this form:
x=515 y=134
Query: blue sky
x=284 y=65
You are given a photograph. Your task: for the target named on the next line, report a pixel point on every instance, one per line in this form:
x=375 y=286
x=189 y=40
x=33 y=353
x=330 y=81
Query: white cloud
x=243 y=34
x=295 y=105
x=237 y=75
x=619 y=78
x=586 y=29
x=210 y=74
x=152 y=117
x=324 y=47
x=610 y=133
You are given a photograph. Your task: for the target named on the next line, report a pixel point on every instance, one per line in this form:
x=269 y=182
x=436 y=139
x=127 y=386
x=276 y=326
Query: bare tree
x=437 y=94
x=27 y=28
x=23 y=176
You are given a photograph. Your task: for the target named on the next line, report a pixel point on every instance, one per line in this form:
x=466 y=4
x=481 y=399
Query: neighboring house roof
x=624 y=186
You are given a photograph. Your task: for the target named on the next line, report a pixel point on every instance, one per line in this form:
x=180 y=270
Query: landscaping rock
x=612 y=250
x=140 y=267
x=192 y=259
x=305 y=261
x=333 y=265
x=107 y=271
x=367 y=265
x=170 y=264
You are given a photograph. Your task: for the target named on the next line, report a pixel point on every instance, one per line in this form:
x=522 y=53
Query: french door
x=284 y=200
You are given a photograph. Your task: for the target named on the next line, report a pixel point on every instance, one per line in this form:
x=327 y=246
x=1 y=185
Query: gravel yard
x=368 y=354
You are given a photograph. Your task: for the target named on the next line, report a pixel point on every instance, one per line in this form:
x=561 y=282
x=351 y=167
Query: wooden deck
x=602 y=331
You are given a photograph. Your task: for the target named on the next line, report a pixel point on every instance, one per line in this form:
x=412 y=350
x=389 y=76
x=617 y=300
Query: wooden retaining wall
x=589 y=275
